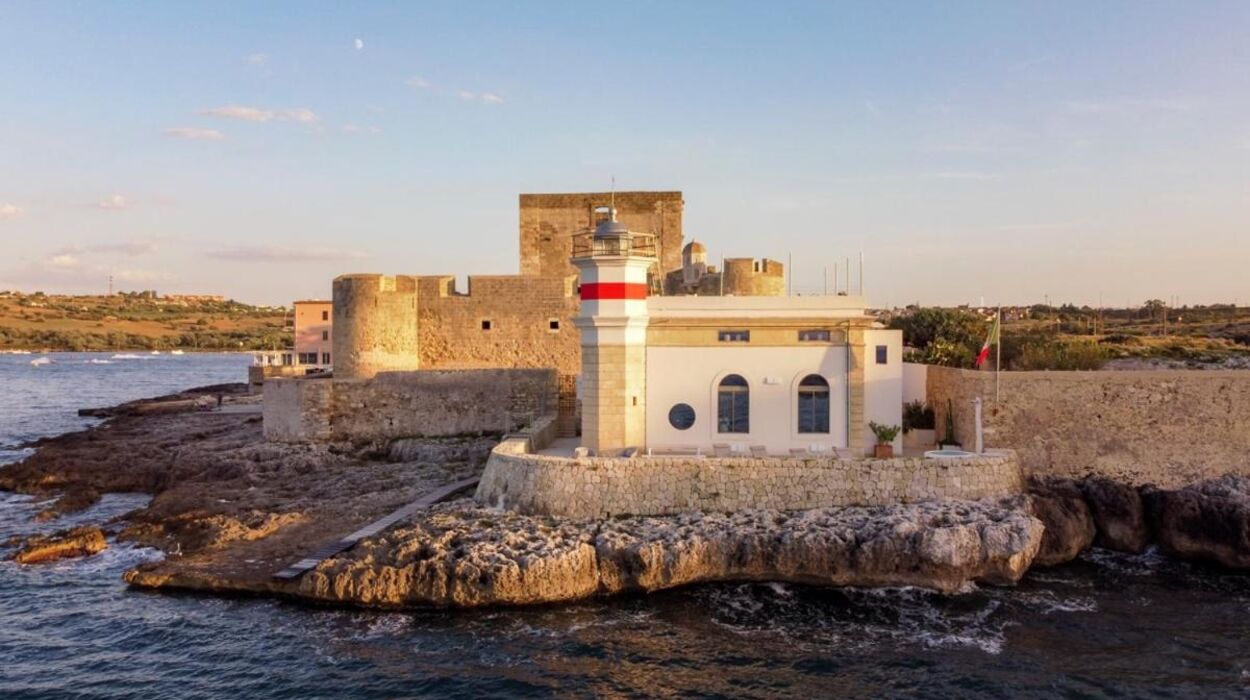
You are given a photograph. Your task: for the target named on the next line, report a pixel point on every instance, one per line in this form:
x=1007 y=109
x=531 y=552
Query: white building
x=771 y=375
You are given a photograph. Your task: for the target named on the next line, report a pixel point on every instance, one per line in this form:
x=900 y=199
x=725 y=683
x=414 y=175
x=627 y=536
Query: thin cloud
x=191 y=133
x=255 y=114
x=10 y=211
x=962 y=175
x=417 y=81
x=258 y=59
x=489 y=98
x=142 y=276
x=1031 y=63
x=131 y=248
x=282 y=254
x=137 y=247
x=359 y=44
x=358 y=129
x=1129 y=105
x=115 y=201
x=63 y=261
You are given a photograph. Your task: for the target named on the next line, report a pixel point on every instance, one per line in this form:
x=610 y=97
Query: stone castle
x=387 y=323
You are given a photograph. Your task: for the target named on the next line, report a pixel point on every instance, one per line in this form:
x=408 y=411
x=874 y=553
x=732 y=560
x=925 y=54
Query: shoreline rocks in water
x=76 y=542
x=1207 y=521
x=231 y=509
x=461 y=555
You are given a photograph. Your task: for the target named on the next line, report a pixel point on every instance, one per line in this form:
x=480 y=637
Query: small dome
x=693 y=247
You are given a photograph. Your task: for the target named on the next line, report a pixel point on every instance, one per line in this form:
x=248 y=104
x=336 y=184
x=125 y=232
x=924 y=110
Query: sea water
x=1108 y=625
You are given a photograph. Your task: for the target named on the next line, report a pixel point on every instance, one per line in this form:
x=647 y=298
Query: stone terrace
x=596 y=487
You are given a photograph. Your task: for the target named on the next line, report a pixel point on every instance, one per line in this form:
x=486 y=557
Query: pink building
x=313 y=333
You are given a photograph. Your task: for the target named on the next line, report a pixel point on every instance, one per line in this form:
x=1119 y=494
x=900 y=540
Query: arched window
x=733 y=405
x=813 y=404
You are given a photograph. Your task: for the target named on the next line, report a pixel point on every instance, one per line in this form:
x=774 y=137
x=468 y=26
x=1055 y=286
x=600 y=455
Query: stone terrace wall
x=603 y=487
x=1170 y=427
x=393 y=405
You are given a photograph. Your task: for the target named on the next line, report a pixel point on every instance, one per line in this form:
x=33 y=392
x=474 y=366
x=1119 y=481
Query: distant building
x=742 y=277
x=313 y=333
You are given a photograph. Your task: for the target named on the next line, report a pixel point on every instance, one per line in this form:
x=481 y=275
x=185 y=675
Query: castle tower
x=375 y=325
x=612 y=263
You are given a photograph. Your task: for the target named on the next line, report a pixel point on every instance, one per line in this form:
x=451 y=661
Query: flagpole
x=998 y=353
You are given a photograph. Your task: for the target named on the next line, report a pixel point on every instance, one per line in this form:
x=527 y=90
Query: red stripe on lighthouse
x=614 y=290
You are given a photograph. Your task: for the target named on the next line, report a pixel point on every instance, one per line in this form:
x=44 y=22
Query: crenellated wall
x=548 y=222
x=520 y=310
x=1168 y=427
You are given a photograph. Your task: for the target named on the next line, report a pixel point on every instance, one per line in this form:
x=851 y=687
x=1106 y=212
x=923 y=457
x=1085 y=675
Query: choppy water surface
x=1106 y=626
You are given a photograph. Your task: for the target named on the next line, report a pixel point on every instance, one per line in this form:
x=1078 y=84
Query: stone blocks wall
x=375 y=325
x=392 y=405
x=1167 y=427
x=520 y=311
x=548 y=222
x=600 y=488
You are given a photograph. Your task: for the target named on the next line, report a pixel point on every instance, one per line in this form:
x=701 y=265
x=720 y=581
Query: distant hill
x=138 y=321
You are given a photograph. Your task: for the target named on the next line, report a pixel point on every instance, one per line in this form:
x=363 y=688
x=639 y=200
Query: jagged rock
x=1060 y=505
x=72 y=501
x=1118 y=515
x=440 y=451
x=1208 y=521
x=77 y=542
x=461 y=555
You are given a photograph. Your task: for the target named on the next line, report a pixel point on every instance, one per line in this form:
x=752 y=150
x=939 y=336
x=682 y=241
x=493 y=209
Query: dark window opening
x=813 y=404
x=733 y=405
x=734 y=336
x=815 y=334
x=485 y=324
x=325 y=335
x=883 y=354
x=681 y=416
x=325 y=315
x=325 y=358
x=553 y=325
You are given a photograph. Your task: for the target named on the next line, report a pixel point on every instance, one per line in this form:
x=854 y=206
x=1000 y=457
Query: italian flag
x=990 y=340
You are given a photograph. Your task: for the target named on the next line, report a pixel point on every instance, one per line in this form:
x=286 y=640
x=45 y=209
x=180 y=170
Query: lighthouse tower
x=612 y=263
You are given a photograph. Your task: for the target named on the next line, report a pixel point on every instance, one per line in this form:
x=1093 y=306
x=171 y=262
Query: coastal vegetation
x=1043 y=337
x=138 y=321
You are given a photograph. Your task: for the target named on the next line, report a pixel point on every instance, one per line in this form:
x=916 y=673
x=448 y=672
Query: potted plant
x=948 y=441
x=918 y=424
x=884 y=448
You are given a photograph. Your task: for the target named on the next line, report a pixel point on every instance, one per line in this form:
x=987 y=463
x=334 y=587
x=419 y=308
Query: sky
x=1004 y=152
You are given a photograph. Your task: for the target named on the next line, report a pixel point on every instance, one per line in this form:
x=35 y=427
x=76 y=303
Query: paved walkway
x=311 y=561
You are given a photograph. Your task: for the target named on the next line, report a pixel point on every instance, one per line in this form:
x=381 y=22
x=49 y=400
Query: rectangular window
x=553 y=325
x=325 y=335
x=734 y=336
x=815 y=335
x=883 y=354
x=485 y=324
x=325 y=315
x=325 y=358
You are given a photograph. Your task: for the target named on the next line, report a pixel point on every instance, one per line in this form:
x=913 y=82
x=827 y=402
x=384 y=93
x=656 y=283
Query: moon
x=360 y=44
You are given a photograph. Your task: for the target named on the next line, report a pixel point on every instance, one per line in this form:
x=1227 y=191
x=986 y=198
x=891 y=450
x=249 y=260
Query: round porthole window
x=681 y=416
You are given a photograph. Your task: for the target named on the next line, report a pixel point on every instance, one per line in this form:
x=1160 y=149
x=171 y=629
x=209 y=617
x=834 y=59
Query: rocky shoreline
x=230 y=509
